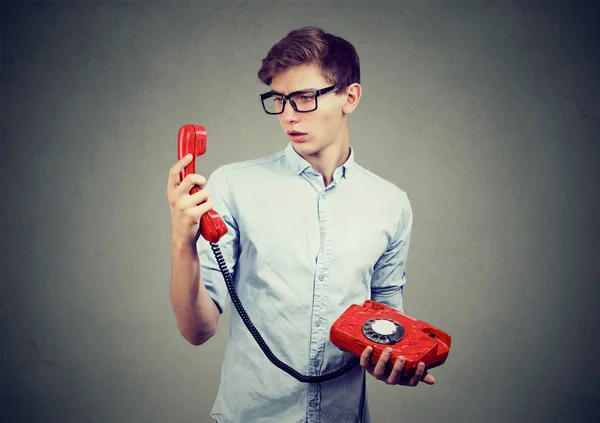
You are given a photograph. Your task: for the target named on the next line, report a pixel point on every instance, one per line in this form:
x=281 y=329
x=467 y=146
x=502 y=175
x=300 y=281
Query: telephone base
x=380 y=326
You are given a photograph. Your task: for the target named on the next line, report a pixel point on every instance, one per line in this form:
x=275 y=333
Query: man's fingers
x=191 y=204
x=396 y=373
x=198 y=197
x=364 y=359
x=191 y=180
x=177 y=168
x=197 y=212
x=429 y=379
x=380 y=367
x=418 y=374
x=193 y=213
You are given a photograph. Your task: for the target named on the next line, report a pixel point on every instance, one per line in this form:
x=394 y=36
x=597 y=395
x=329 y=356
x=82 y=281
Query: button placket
x=321 y=275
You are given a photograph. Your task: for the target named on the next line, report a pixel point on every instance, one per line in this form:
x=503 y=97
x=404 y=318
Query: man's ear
x=352 y=93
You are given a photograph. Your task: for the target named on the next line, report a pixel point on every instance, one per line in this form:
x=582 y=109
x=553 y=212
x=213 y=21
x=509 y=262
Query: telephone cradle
x=380 y=326
x=372 y=324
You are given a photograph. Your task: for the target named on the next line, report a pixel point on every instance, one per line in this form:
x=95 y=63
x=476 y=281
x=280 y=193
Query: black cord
x=261 y=342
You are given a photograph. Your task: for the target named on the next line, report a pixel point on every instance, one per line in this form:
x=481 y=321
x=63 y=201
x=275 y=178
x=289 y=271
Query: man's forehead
x=289 y=85
x=297 y=79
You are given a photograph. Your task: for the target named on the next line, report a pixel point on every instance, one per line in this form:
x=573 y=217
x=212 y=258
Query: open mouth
x=297 y=136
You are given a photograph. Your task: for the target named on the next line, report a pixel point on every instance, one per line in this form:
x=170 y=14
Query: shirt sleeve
x=389 y=273
x=219 y=191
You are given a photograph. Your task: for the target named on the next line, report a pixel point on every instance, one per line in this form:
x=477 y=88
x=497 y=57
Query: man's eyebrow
x=297 y=91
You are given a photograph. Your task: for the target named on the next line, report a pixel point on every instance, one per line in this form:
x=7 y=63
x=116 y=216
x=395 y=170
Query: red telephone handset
x=192 y=139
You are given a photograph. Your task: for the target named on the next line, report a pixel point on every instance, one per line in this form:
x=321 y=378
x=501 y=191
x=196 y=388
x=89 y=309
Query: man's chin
x=306 y=148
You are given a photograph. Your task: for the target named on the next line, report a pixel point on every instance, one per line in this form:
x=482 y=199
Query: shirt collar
x=298 y=165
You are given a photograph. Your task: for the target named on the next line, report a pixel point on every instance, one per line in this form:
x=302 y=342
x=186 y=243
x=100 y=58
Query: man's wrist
x=183 y=245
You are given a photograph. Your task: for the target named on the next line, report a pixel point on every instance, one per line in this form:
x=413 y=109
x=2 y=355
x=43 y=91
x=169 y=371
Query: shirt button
x=321 y=277
x=313 y=404
x=318 y=323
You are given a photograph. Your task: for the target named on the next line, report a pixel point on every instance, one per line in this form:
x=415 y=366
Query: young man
x=309 y=233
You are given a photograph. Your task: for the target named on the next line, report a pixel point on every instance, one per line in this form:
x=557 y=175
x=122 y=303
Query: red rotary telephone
x=381 y=326
x=372 y=323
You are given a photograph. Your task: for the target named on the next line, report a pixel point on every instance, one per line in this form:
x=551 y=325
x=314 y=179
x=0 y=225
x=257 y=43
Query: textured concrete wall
x=486 y=113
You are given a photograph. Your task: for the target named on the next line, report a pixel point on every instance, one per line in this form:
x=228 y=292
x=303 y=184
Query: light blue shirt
x=300 y=253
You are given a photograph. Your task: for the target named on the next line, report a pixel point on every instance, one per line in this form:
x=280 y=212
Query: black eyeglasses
x=302 y=101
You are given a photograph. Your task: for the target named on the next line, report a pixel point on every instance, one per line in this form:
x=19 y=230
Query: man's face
x=323 y=127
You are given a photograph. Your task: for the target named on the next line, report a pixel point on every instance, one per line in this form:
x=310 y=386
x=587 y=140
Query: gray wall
x=487 y=114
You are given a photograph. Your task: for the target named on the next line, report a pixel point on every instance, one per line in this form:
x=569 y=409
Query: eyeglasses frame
x=288 y=97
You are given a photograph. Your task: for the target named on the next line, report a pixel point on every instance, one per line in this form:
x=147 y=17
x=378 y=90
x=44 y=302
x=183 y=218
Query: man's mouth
x=296 y=133
x=297 y=136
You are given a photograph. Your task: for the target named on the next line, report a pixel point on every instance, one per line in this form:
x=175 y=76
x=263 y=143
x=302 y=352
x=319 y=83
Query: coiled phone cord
x=261 y=342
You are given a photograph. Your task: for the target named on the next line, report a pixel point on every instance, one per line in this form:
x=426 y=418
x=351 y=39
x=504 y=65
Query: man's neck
x=329 y=159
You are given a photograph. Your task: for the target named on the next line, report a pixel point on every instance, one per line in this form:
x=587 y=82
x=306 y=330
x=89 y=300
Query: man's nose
x=289 y=115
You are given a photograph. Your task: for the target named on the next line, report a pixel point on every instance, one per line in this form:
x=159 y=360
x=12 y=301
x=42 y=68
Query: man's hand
x=186 y=209
x=381 y=372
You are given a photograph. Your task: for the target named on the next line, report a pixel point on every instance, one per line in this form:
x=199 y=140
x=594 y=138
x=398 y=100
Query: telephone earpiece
x=192 y=139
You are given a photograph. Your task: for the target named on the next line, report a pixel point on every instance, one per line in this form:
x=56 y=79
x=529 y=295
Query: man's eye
x=277 y=99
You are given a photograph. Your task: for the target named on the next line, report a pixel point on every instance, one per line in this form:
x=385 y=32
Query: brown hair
x=336 y=57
